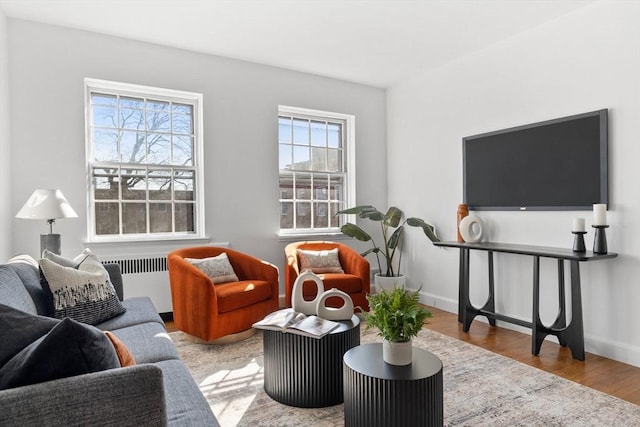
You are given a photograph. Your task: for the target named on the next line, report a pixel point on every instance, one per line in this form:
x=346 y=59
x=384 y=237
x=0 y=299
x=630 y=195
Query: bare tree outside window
x=143 y=165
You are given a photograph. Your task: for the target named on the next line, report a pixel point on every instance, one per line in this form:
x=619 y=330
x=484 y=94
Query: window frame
x=120 y=89
x=349 y=164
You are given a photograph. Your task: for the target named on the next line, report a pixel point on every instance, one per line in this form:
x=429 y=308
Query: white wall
x=5 y=140
x=584 y=61
x=47 y=68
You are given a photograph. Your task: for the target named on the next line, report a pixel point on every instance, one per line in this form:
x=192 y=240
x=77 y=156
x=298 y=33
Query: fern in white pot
x=399 y=317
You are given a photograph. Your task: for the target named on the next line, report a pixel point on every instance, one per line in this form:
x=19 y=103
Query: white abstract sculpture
x=298 y=302
x=335 y=313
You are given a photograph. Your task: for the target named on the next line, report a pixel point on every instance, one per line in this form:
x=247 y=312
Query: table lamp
x=49 y=205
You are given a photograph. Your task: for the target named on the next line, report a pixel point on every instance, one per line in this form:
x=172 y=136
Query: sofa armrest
x=115 y=276
x=130 y=396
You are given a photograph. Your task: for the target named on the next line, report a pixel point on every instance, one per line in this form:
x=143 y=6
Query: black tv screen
x=558 y=164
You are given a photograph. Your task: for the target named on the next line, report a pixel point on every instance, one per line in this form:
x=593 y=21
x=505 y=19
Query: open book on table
x=287 y=320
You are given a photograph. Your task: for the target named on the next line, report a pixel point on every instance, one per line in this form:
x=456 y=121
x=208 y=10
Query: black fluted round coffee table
x=379 y=394
x=307 y=372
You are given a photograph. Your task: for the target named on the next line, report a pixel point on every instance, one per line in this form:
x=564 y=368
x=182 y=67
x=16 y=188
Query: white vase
x=298 y=303
x=388 y=283
x=335 y=313
x=397 y=353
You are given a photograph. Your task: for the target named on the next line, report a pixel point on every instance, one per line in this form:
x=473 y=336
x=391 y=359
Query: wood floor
x=611 y=377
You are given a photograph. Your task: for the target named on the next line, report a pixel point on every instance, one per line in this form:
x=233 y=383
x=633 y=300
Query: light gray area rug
x=480 y=389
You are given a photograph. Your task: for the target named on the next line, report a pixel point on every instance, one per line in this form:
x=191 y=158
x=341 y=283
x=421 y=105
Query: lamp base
x=50 y=242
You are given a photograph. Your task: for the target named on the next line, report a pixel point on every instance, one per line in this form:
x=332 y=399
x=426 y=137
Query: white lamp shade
x=47 y=204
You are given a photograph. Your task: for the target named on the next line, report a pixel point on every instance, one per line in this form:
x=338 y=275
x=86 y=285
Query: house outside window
x=317 y=169
x=144 y=151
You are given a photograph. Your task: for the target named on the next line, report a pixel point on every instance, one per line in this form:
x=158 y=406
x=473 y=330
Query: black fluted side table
x=307 y=372
x=379 y=394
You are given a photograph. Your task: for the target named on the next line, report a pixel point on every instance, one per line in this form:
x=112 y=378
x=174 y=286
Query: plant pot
x=397 y=353
x=388 y=283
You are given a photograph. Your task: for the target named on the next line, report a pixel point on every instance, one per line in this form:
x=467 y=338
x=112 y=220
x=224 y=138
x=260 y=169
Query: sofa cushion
x=139 y=310
x=12 y=291
x=235 y=295
x=18 y=329
x=188 y=406
x=70 y=348
x=148 y=342
x=218 y=268
x=84 y=294
x=325 y=261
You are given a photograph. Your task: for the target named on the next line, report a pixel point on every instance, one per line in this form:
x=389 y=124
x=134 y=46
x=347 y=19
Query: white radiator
x=144 y=275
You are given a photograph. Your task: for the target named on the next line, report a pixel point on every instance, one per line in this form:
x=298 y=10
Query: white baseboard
x=620 y=352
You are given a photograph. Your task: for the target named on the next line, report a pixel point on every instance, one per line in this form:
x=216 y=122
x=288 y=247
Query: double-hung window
x=144 y=162
x=317 y=169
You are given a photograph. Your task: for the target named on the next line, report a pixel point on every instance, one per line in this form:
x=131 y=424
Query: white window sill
x=159 y=245
x=294 y=237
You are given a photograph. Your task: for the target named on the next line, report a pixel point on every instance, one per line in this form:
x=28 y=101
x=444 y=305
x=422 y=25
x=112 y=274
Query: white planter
x=387 y=283
x=397 y=353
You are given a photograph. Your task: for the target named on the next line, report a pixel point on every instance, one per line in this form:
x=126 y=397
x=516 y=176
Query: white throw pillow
x=326 y=261
x=218 y=268
x=80 y=287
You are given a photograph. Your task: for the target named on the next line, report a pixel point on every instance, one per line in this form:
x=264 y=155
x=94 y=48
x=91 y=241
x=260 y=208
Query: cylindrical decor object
x=600 y=240
x=578 y=241
x=599 y=214
x=397 y=353
x=463 y=211
x=578 y=224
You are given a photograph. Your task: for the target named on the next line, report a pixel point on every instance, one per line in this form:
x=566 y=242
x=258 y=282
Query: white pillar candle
x=600 y=214
x=578 y=224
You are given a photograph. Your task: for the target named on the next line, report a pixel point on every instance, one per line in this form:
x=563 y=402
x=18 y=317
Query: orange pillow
x=124 y=355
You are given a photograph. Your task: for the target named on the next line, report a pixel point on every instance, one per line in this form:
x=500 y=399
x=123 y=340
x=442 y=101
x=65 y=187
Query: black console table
x=571 y=335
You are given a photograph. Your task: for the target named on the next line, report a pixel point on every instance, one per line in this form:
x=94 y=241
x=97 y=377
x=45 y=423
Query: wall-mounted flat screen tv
x=558 y=164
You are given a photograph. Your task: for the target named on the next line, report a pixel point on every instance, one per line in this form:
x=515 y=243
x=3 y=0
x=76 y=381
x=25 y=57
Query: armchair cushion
x=326 y=261
x=218 y=268
x=232 y=296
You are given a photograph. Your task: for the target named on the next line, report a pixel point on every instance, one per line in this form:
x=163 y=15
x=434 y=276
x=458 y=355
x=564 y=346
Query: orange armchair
x=355 y=280
x=208 y=310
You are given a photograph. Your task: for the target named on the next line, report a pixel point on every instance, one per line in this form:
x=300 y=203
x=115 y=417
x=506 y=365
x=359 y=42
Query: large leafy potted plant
x=399 y=317
x=392 y=226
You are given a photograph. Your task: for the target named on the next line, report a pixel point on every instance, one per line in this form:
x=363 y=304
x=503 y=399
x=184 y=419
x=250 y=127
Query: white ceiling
x=374 y=42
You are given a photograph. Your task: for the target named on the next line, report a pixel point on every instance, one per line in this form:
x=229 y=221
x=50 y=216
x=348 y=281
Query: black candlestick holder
x=578 y=241
x=600 y=240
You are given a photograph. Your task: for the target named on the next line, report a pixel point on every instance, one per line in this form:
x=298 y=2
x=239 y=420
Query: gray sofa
x=158 y=390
